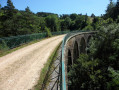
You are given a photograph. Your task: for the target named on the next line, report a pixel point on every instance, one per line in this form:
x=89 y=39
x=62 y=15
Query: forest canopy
x=20 y=22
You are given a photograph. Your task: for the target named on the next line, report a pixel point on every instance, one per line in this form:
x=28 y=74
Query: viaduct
x=73 y=45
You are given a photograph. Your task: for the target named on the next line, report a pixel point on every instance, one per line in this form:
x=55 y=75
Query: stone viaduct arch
x=75 y=46
x=82 y=45
x=75 y=51
x=69 y=60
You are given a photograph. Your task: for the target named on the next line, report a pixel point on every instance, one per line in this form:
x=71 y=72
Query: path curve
x=20 y=69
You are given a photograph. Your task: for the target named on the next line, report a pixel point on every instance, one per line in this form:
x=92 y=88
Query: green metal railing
x=63 y=79
x=15 y=41
x=69 y=35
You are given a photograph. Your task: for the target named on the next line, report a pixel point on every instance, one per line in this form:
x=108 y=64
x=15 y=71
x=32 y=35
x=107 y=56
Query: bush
x=49 y=34
x=3 y=45
x=117 y=20
x=109 y=21
x=114 y=83
x=89 y=27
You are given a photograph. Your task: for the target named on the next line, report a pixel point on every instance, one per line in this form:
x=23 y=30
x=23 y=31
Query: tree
x=112 y=10
x=72 y=25
x=117 y=20
x=85 y=22
x=10 y=5
x=110 y=6
x=64 y=16
x=45 y=14
x=79 y=21
x=9 y=9
x=65 y=24
x=117 y=3
x=0 y=6
x=97 y=22
x=92 y=15
x=98 y=70
x=73 y=16
x=52 y=22
x=27 y=9
x=48 y=32
x=89 y=27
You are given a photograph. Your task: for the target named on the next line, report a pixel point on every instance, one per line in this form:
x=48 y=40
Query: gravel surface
x=20 y=70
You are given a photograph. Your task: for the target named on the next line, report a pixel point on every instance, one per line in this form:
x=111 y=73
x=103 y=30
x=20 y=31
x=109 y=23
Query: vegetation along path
x=20 y=70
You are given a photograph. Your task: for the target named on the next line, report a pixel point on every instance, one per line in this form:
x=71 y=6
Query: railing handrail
x=66 y=38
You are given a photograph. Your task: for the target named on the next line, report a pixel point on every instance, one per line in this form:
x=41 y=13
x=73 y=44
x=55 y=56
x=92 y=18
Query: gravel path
x=20 y=70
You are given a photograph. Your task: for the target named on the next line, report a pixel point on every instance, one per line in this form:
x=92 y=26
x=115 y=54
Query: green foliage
x=110 y=6
x=10 y=5
x=112 y=11
x=89 y=27
x=52 y=22
x=3 y=45
x=114 y=75
x=117 y=20
x=27 y=9
x=92 y=15
x=99 y=70
x=79 y=21
x=14 y=22
x=96 y=71
x=65 y=24
x=98 y=22
x=0 y=6
x=109 y=20
x=49 y=34
x=73 y=16
x=83 y=75
x=44 y=14
x=63 y=16
x=20 y=23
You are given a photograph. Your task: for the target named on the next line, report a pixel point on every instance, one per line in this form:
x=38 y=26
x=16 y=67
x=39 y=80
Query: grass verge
x=46 y=70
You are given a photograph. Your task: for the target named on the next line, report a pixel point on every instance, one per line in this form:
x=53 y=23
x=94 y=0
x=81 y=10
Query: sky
x=97 y=7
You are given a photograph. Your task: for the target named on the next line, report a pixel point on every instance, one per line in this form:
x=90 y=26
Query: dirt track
x=20 y=70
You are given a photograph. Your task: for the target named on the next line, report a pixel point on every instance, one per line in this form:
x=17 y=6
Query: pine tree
x=10 y=5
x=92 y=15
x=27 y=9
x=110 y=6
x=117 y=3
x=0 y=6
x=10 y=10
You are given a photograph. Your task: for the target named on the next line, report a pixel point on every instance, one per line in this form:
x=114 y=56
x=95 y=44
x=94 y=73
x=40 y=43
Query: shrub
x=89 y=27
x=49 y=34
x=3 y=45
